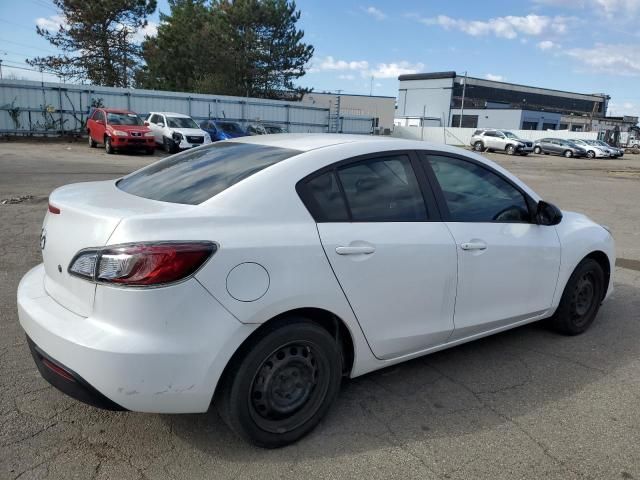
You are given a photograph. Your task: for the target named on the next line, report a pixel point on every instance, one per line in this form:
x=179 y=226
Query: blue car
x=222 y=129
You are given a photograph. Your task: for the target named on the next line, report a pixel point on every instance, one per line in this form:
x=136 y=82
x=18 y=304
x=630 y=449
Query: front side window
x=383 y=189
x=195 y=176
x=473 y=193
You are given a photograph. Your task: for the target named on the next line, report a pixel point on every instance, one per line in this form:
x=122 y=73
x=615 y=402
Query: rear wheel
x=510 y=149
x=478 y=146
x=581 y=299
x=282 y=384
x=537 y=150
x=591 y=154
x=92 y=143
x=108 y=146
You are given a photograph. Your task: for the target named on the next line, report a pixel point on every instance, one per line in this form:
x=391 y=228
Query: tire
x=510 y=149
x=108 y=147
x=255 y=396
x=568 y=154
x=478 y=146
x=591 y=154
x=92 y=143
x=169 y=145
x=537 y=150
x=150 y=151
x=580 y=300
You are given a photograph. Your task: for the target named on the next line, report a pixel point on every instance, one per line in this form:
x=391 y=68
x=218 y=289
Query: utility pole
x=464 y=88
x=371 y=87
x=0 y=69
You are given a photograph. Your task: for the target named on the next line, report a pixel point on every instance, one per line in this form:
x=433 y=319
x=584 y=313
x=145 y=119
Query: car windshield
x=123 y=119
x=510 y=135
x=591 y=142
x=600 y=142
x=181 y=122
x=230 y=127
x=197 y=175
x=274 y=129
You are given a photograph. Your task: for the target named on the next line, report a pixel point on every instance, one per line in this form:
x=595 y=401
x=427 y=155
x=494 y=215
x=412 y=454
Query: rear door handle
x=363 y=250
x=473 y=246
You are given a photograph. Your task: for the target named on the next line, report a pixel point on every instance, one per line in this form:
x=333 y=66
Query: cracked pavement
x=523 y=404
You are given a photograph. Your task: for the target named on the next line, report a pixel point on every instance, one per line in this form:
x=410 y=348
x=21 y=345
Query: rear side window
x=197 y=175
x=325 y=199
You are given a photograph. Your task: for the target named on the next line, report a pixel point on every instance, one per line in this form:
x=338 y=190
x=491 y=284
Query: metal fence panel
x=28 y=107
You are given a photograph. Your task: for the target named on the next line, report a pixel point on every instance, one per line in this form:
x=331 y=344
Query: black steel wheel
x=280 y=385
x=581 y=299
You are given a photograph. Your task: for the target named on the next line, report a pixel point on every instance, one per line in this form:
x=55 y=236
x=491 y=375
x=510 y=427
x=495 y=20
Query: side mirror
x=160 y=124
x=548 y=214
x=146 y=124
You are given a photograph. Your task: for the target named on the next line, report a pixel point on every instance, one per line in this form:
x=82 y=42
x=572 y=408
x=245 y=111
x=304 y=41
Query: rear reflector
x=61 y=372
x=54 y=210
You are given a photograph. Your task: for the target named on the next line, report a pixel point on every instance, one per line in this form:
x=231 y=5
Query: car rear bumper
x=152 y=350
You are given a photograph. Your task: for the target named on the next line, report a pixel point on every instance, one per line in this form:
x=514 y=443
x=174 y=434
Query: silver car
x=500 y=140
x=593 y=150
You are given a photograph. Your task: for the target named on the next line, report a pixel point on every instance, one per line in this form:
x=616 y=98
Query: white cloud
x=624 y=108
x=546 y=45
x=330 y=63
x=612 y=59
x=394 y=70
x=503 y=27
x=348 y=76
x=495 y=78
x=619 y=9
x=375 y=13
x=52 y=23
x=150 y=30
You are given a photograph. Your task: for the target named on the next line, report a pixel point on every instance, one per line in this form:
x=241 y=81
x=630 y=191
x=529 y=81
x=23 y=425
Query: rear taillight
x=142 y=264
x=54 y=210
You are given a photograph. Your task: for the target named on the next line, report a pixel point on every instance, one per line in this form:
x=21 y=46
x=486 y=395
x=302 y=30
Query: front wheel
x=108 y=146
x=510 y=149
x=581 y=299
x=568 y=153
x=169 y=145
x=282 y=384
x=591 y=154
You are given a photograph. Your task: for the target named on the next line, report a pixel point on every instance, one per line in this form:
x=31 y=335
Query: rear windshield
x=229 y=127
x=197 y=175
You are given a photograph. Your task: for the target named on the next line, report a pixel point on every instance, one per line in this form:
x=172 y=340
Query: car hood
x=189 y=131
x=130 y=128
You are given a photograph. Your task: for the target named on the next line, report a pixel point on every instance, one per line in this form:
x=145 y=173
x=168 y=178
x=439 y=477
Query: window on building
x=468 y=121
x=564 y=126
x=529 y=125
x=548 y=126
x=576 y=128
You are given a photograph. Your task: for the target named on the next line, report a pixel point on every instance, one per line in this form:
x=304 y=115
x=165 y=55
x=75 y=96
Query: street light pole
x=464 y=88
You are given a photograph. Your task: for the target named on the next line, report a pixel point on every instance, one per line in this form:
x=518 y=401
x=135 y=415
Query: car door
x=507 y=264
x=99 y=127
x=394 y=260
x=490 y=140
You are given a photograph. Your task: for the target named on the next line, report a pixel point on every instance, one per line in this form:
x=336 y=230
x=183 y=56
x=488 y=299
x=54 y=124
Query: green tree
x=241 y=47
x=96 y=40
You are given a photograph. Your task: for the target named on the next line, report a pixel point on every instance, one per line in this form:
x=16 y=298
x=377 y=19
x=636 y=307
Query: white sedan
x=254 y=274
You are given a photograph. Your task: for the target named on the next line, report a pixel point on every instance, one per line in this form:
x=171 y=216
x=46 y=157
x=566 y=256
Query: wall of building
x=511 y=119
x=428 y=98
x=379 y=107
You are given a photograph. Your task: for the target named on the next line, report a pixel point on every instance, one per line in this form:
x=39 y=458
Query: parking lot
x=527 y=403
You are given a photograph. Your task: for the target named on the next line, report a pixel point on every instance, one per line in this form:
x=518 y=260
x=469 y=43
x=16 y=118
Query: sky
x=586 y=46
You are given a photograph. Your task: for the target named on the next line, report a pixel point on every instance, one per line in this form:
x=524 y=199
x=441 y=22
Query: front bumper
x=133 y=142
x=157 y=350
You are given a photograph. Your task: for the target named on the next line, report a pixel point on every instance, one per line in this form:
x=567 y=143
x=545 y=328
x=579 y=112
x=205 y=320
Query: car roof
x=116 y=110
x=172 y=114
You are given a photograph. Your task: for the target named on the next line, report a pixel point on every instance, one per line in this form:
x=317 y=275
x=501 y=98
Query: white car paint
x=164 y=349
x=163 y=129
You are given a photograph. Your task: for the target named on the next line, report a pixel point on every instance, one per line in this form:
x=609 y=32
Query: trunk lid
x=89 y=213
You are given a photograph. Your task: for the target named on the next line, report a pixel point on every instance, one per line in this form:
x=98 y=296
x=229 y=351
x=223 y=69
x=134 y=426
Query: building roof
x=427 y=76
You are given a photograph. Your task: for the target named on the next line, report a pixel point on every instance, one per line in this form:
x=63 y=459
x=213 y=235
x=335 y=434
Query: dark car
x=559 y=146
x=222 y=129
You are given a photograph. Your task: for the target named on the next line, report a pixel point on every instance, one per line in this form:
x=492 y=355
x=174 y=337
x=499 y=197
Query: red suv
x=119 y=129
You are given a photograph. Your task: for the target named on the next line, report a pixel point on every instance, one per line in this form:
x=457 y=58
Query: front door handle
x=473 y=246
x=363 y=250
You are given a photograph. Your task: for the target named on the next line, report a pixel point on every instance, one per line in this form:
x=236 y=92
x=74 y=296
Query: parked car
x=615 y=151
x=593 y=151
x=272 y=128
x=559 y=146
x=119 y=130
x=175 y=131
x=265 y=129
x=500 y=140
x=222 y=129
x=256 y=129
x=253 y=274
